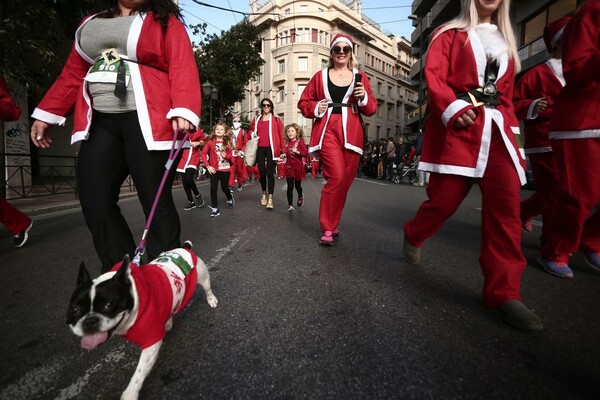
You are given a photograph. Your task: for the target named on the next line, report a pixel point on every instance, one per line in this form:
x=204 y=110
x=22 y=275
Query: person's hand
x=211 y=170
x=465 y=119
x=195 y=144
x=182 y=124
x=40 y=134
x=359 y=91
x=541 y=105
x=322 y=106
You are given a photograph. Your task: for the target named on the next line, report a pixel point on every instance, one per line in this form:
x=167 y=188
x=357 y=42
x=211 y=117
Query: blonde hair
x=468 y=18
x=299 y=131
x=227 y=142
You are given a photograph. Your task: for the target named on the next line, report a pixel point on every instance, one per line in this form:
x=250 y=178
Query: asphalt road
x=300 y=321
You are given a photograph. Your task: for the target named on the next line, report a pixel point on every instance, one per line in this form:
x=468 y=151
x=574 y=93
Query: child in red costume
x=216 y=155
x=534 y=100
x=295 y=150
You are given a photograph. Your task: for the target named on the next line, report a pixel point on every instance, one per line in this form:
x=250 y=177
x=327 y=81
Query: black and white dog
x=137 y=303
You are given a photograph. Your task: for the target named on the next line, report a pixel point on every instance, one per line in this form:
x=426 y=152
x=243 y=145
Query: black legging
x=290 y=189
x=189 y=183
x=223 y=177
x=116 y=148
x=265 y=155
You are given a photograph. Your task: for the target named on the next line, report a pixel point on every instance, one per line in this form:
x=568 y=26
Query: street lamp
x=209 y=91
x=415 y=18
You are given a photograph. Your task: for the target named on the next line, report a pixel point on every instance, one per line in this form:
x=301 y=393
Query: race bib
x=105 y=70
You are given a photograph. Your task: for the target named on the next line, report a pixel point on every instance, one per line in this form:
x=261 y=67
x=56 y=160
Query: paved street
x=300 y=321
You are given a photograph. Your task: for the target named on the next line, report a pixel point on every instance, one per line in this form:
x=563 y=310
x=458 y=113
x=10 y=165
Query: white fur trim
x=555 y=66
x=531 y=113
x=557 y=37
x=341 y=39
x=452 y=109
x=47 y=117
x=492 y=40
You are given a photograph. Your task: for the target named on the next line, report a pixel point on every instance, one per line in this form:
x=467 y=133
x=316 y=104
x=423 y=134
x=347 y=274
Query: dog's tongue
x=89 y=342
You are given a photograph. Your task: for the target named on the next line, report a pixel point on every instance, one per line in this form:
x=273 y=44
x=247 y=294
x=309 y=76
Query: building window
x=287 y=11
x=303 y=8
x=284 y=37
x=301 y=90
x=324 y=38
x=302 y=35
x=534 y=28
x=280 y=94
x=257 y=101
x=390 y=112
x=301 y=120
x=302 y=64
x=281 y=67
x=324 y=63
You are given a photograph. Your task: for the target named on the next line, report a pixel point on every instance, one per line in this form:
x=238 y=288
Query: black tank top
x=337 y=94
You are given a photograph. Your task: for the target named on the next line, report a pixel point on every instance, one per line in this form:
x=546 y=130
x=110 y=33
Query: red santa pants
x=237 y=172
x=501 y=259
x=547 y=187
x=578 y=224
x=339 y=168
x=14 y=220
x=314 y=169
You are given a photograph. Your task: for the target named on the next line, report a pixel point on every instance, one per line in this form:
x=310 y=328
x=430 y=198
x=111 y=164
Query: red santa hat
x=340 y=37
x=553 y=32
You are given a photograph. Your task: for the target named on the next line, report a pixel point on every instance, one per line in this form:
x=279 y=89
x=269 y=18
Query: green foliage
x=228 y=61
x=35 y=37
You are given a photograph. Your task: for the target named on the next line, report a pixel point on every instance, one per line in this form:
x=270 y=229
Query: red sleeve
x=302 y=149
x=441 y=96
x=9 y=111
x=371 y=107
x=310 y=96
x=581 y=58
x=205 y=151
x=60 y=98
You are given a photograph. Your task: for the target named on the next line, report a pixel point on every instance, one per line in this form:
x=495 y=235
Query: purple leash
x=139 y=251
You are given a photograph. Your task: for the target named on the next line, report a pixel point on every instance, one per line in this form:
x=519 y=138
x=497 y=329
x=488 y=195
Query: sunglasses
x=340 y=50
x=265 y=105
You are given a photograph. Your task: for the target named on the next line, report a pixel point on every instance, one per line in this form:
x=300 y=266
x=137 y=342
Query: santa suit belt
x=353 y=106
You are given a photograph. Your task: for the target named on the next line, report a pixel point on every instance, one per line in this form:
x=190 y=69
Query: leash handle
x=173 y=153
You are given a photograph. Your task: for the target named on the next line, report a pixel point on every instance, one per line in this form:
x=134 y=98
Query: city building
x=295 y=39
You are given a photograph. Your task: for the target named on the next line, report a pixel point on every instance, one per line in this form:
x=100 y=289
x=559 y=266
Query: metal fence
x=45 y=176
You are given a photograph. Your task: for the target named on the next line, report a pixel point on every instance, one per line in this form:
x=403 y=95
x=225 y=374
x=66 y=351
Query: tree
x=35 y=37
x=229 y=61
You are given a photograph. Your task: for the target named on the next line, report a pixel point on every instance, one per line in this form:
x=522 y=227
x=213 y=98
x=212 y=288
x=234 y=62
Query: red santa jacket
x=293 y=159
x=240 y=139
x=9 y=111
x=210 y=157
x=159 y=96
x=317 y=90
x=544 y=80
x=456 y=62
x=275 y=133
x=577 y=108
x=164 y=287
x=190 y=157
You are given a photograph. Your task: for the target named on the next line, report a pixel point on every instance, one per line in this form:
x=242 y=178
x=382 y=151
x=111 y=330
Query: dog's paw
x=212 y=300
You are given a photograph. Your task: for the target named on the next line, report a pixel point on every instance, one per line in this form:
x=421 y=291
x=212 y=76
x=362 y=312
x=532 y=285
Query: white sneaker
x=214 y=212
x=291 y=209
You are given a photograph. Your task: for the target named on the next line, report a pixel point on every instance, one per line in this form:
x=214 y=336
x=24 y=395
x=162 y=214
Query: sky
x=392 y=18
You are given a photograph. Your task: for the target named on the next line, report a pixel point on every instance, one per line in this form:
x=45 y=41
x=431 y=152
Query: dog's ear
x=84 y=276
x=124 y=271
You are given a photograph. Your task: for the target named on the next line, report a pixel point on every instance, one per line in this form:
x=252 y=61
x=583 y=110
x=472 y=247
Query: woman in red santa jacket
x=269 y=129
x=130 y=80
x=333 y=98
x=472 y=134
x=188 y=167
x=575 y=139
x=534 y=100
